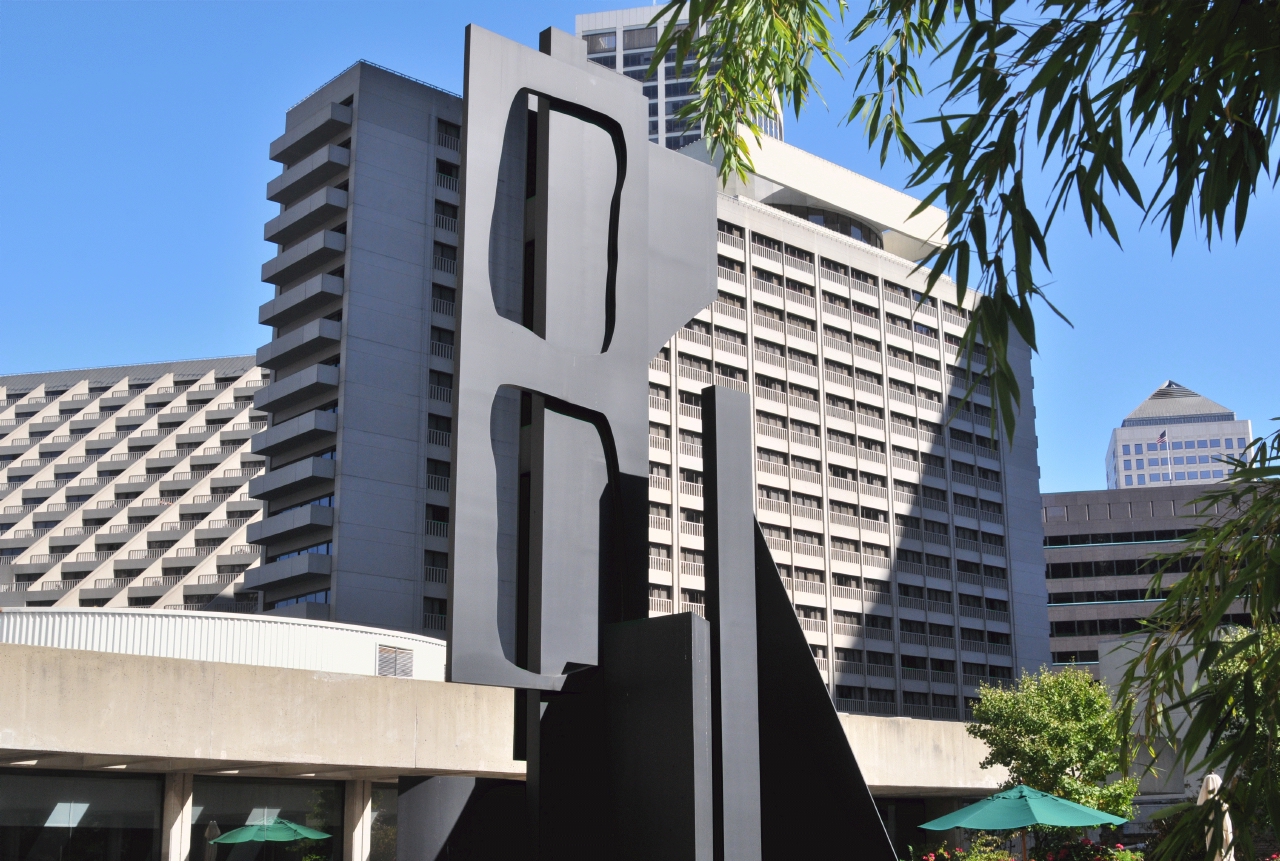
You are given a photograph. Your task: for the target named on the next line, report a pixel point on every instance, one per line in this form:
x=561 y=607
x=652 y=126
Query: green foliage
x=1057 y=732
x=1063 y=845
x=983 y=847
x=745 y=59
x=1072 y=86
x=1219 y=692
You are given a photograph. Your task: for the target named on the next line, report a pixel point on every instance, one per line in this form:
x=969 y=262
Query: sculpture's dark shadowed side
x=658 y=737
x=461 y=819
x=814 y=802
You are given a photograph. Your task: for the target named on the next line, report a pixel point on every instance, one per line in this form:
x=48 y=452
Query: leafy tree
x=1074 y=90
x=1071 y=87
x=1057 y=732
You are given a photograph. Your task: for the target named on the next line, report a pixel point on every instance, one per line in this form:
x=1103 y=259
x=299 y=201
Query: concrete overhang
x=310 y=472
x=309 y=133
x=307 y=296
x=306 y=384
x=905 y=757
x=290 y=524
x=289 y=572
x=313 y=171
x=74 y=709
x=93 y=710
x=296 y=431
x=807 y=178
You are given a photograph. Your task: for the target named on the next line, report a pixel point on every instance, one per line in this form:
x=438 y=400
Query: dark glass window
x=835 y=221
x=224 y=804
x=48 y=817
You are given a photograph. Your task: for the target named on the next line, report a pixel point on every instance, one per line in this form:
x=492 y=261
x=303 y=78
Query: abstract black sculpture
x=583 y=249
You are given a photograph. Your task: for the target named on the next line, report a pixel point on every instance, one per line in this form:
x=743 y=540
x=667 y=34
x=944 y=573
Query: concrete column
x=175 y=837
x=357 y=820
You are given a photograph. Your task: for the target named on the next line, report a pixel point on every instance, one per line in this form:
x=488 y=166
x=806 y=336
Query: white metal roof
x=230 y=638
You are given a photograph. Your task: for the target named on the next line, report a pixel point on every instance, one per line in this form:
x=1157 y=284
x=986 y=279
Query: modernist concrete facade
x=1175 y=436
x=125 y=486
x=912 y=550
x=1098 y=547
x=893 y=532
x=360 y=361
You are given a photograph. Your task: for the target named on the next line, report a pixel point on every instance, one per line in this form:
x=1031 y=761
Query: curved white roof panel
x=229 y=638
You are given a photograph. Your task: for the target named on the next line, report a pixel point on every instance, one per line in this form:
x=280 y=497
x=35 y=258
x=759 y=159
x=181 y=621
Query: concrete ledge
x=310 y=133
x=307 y=383
x=308 y=340
x=297 y=476
x=295 y=431
x=304 y=610
x=317 y=168
x=307 y=296
x=305 y=216
x=290 y=524
x=78 y=709
x=309 y=254
x=295 y=569
x=909 y=757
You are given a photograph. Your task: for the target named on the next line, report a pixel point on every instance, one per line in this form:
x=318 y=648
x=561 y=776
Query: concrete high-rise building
x=125 y=487
x=361 y=355
x=1177 y=436
x=910 y=547
x=623 y=40
x=1100 y=548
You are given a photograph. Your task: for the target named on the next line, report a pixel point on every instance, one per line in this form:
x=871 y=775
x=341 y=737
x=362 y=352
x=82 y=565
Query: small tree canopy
x=1057 y=732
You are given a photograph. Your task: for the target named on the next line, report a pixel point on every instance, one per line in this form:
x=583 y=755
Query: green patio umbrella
x=277 y=830
x=1022 y=807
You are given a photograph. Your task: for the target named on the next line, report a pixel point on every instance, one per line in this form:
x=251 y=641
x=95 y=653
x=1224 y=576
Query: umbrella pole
x=1024 y=845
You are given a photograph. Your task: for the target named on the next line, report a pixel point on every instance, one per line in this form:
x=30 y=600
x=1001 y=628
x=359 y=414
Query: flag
x=1160 y=440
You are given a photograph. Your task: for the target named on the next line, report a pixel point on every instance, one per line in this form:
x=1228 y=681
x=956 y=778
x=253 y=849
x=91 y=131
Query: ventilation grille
x=395 y=662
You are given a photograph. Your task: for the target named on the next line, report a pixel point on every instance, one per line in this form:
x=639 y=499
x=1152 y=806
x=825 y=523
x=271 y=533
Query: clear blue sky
x=134 y=165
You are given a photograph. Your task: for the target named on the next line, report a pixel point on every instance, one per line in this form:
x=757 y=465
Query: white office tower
x=912 y=548
x=1177 y=436
x=623 y=40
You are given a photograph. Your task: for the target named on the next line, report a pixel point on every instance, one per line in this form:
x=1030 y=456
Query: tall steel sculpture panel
x=516 y=99
x=583 y=248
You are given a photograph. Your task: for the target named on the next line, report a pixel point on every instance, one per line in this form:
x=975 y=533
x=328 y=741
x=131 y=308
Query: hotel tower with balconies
x=125 y=486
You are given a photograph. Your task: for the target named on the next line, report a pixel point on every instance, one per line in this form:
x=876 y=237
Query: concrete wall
x=905 y=757
x=164 y=714
x=1024 y=529
x=74 y=709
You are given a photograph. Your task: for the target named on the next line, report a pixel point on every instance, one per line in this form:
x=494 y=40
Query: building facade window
x=234 y=802
x=78 y=815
